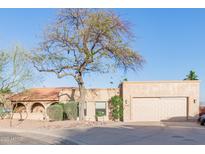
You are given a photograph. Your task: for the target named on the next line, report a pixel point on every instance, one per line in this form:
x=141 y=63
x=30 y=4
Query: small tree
x=117 y=108
x=191 y=76
x=81 y=41
x=15 y=71
x=15 y=74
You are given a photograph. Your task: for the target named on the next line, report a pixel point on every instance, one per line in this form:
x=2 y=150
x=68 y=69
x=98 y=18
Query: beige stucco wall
x=29 y=105
x=98 y=94
x=189 y=89
x=92 y=96
x=31 y=116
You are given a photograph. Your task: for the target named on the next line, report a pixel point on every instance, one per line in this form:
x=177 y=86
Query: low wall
x=31 y=116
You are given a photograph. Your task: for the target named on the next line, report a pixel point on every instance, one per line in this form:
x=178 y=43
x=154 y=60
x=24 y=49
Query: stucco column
x=193 y=107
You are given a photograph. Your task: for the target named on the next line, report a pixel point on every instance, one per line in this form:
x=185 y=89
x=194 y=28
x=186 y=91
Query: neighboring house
x=143 y=101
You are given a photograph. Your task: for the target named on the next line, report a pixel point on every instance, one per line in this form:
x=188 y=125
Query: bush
x=117 y=108
x=100 y=113
x=2 y=113
x=63 y=111
x=55 y=112
x=71 y=110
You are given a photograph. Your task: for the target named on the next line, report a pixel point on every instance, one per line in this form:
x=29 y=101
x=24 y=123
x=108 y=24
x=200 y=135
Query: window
x=100 y=109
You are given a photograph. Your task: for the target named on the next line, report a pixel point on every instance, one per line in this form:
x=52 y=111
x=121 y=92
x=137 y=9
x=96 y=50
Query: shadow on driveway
x=133 y=134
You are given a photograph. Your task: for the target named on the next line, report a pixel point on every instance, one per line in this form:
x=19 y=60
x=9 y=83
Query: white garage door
x=157 y=109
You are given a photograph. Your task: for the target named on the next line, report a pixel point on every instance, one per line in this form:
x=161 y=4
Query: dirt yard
x=35 y=124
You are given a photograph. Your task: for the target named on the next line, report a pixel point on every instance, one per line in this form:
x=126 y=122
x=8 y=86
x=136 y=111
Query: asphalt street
x=8 y=138
x=124 y=134
x=14 y=139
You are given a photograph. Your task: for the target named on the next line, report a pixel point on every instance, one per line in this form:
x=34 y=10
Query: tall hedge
x=55 y=112
x=117 y=108
x=71 y=110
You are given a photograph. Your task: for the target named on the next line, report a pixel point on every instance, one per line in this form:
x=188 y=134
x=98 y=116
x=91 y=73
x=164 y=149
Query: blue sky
x=172 y=41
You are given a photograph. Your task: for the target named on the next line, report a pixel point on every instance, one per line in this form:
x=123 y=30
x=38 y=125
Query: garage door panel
x=173 y=108
x=143 y=106
x=157 y=109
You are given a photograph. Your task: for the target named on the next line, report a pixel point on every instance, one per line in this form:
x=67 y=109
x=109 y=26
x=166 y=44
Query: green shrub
x=117 y=108
x=71 y=110
x=100 y=113
x=55 y=112
x=2 y=113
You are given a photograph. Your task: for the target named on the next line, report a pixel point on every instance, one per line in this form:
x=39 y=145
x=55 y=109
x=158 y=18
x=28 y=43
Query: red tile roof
x=38 y=94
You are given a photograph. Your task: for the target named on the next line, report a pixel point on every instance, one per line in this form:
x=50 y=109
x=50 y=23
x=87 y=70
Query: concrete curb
x=9 y=130
x=189 y=127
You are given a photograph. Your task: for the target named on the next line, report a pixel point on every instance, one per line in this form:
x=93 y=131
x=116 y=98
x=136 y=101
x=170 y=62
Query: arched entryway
x=37 y=108
x=19 y=107
x=54 y=103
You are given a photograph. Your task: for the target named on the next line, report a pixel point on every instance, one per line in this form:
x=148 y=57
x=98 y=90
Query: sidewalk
x=42 y=135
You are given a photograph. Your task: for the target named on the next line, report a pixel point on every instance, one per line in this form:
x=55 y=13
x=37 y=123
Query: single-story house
x=142 y=101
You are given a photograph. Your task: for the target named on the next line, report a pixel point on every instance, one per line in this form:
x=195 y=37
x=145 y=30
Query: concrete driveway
x=183 y=133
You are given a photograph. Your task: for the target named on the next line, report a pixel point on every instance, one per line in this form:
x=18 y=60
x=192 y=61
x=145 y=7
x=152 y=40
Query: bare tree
x=16 y=74
x=15 y=71
x=86 y=40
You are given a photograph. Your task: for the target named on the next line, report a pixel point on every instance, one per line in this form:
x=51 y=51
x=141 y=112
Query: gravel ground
x=33 y=132
x=34 y=124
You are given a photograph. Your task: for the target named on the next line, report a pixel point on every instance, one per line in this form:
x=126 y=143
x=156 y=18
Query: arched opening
x=37 y=108
x=54 y=103
x=19 y=108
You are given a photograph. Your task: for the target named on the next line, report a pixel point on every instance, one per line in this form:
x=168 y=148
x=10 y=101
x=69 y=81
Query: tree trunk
x=81 y=100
